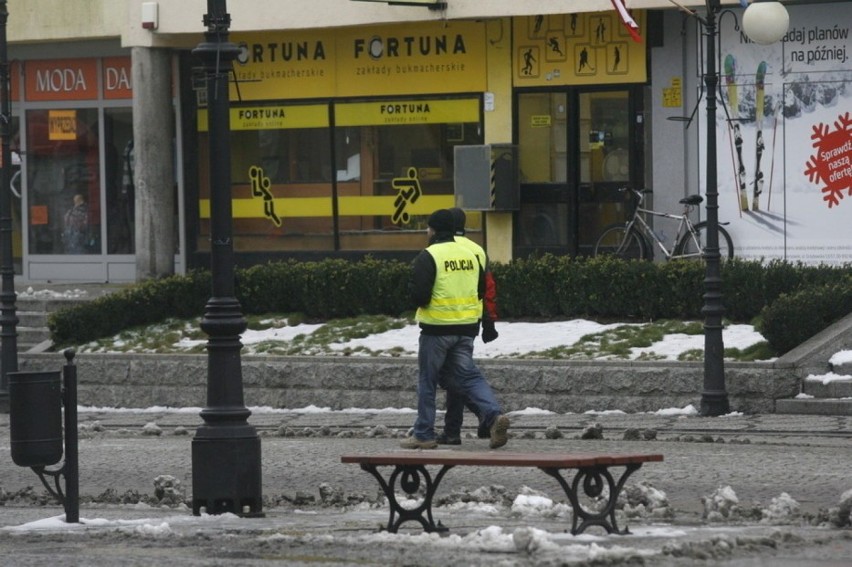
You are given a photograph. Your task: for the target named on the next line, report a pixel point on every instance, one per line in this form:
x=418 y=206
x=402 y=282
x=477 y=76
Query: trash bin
x=35 y=418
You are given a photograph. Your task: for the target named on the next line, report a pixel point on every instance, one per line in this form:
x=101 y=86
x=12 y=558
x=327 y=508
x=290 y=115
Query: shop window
x=119 y=184
x=281 y=175
x=63 y=181
x=404 y=165
x=369 y=183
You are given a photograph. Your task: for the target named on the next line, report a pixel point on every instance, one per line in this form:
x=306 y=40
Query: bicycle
x=635 y=238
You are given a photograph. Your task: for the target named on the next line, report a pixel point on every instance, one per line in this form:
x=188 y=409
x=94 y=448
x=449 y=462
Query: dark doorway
x=576 y=148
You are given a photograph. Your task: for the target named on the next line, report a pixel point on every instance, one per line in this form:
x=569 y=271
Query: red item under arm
x=489 y=301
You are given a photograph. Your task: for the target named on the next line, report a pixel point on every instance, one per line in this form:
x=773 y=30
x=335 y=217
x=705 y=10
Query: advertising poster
x=784 y=138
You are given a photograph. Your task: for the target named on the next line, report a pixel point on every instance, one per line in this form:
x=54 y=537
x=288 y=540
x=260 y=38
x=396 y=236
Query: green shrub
x=681 y=290
x=795 y=317
x=793 y=301
x=271 y=288
x=149 y=302
x=526 y=287
x=744 y=290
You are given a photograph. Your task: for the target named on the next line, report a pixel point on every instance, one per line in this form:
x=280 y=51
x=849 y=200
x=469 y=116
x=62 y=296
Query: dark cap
x=459 y=219
x=441 y=221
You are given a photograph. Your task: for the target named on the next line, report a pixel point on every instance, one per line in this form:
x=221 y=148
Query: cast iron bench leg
x=594 y=480
x=409 y=477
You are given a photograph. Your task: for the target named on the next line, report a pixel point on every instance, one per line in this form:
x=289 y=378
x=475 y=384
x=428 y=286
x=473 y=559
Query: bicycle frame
x=684 y=225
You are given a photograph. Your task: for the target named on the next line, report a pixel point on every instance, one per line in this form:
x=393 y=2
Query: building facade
x=348 y=120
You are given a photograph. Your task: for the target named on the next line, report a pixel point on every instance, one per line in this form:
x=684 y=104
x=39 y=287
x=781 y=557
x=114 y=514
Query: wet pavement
x=758 y=456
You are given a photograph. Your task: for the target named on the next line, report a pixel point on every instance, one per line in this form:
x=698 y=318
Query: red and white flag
x=627 y=20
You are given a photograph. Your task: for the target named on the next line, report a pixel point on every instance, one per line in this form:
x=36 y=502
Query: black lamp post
x=764 y=22
x=8 y=319
x=714 y=397
x=226 y=469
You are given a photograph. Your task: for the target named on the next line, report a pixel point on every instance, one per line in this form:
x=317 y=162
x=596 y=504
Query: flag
x=626 y=19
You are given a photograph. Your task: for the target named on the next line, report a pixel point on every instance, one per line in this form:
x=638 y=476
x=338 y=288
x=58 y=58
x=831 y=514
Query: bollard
x=35 y=418
x=72 y=466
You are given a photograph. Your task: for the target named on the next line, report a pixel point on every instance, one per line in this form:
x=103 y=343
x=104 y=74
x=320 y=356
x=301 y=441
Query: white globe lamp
x=766 y=22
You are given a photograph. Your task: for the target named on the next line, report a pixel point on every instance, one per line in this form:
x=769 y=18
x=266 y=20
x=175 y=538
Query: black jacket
x=421 y=281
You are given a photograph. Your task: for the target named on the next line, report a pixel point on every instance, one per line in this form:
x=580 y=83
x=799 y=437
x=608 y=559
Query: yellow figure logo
x=260 y=184
x=409 y=192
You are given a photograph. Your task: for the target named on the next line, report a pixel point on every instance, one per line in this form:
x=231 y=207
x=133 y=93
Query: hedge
x=547 y=287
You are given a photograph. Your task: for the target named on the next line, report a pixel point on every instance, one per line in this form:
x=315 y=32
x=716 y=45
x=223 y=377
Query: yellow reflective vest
x=473 y=247
x=455 y=297
x=480 y=255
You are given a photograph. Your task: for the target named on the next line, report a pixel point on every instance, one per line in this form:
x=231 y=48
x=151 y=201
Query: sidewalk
x=762 y=456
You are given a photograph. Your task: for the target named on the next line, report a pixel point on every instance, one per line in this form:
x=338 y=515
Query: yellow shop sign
x=400 y=112
x=272 y=117
x=426 y=57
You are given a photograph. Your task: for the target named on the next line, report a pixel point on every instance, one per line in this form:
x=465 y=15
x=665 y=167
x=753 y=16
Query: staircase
x=830 y=394
x=33 y=334
x=34 y=307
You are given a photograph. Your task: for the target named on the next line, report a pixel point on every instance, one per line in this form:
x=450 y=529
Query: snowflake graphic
x=832 y=164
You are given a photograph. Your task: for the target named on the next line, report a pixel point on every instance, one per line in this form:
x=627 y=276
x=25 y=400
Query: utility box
x=486 y=177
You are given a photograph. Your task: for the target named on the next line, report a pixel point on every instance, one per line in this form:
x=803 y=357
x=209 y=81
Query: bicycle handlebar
x=638 y=193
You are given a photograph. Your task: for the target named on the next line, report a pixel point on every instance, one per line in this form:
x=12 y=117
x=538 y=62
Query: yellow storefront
x=344 y=141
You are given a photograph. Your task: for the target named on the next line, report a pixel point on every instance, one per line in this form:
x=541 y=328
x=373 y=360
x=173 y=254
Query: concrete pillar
x=154 y=175
x=498 y=129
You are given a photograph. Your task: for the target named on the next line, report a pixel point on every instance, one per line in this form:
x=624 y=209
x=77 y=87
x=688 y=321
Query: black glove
x=489 y=333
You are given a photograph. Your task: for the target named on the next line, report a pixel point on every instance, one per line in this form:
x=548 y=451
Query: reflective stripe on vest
x=455 y=298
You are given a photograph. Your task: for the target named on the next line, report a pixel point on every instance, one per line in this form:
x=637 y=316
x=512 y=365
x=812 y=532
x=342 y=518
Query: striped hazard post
x=493 y=186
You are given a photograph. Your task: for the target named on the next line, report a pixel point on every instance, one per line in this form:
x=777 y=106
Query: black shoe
x=443 y=439
x=483 y=432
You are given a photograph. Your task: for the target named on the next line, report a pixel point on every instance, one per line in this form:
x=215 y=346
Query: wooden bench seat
x=592 y=473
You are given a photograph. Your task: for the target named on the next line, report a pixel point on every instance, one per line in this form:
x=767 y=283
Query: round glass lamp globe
x=766 y=22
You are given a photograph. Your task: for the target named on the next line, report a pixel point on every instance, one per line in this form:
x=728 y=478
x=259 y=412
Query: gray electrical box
x=486 y=177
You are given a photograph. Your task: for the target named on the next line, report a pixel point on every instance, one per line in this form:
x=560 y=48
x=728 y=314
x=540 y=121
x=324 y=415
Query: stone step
x=30 y=336
x=844 y=368
x=815 y=406
x=836 y=388
x=32 y=313
x=32 y=319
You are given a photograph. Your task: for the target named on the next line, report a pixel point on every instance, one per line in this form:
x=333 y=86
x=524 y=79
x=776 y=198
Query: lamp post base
x=226 y=472
x=714 y=403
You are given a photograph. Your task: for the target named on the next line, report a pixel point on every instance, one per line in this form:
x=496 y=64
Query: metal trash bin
x=35 y=418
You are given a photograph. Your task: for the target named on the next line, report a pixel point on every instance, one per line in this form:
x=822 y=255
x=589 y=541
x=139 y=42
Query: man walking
x=456 y=402
x=447 y=283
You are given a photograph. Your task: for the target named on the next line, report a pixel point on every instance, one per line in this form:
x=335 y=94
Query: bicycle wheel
x=615 y=240
x=689 y=249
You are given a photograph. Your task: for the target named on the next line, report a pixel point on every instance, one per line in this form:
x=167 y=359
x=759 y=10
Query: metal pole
x=714 y=398
x=8 y=318
x=226 y=464
x=71 y=467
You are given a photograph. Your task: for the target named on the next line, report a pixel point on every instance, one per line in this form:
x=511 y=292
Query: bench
x=592 y=473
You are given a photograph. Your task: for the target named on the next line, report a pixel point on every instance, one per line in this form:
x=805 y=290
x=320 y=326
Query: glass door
x=576 y=148
x=605 y=154
x=546 y=173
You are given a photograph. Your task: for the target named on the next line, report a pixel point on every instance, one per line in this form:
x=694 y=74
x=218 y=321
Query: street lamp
x=226 y=469
x=8 y=319
x=764 y=23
